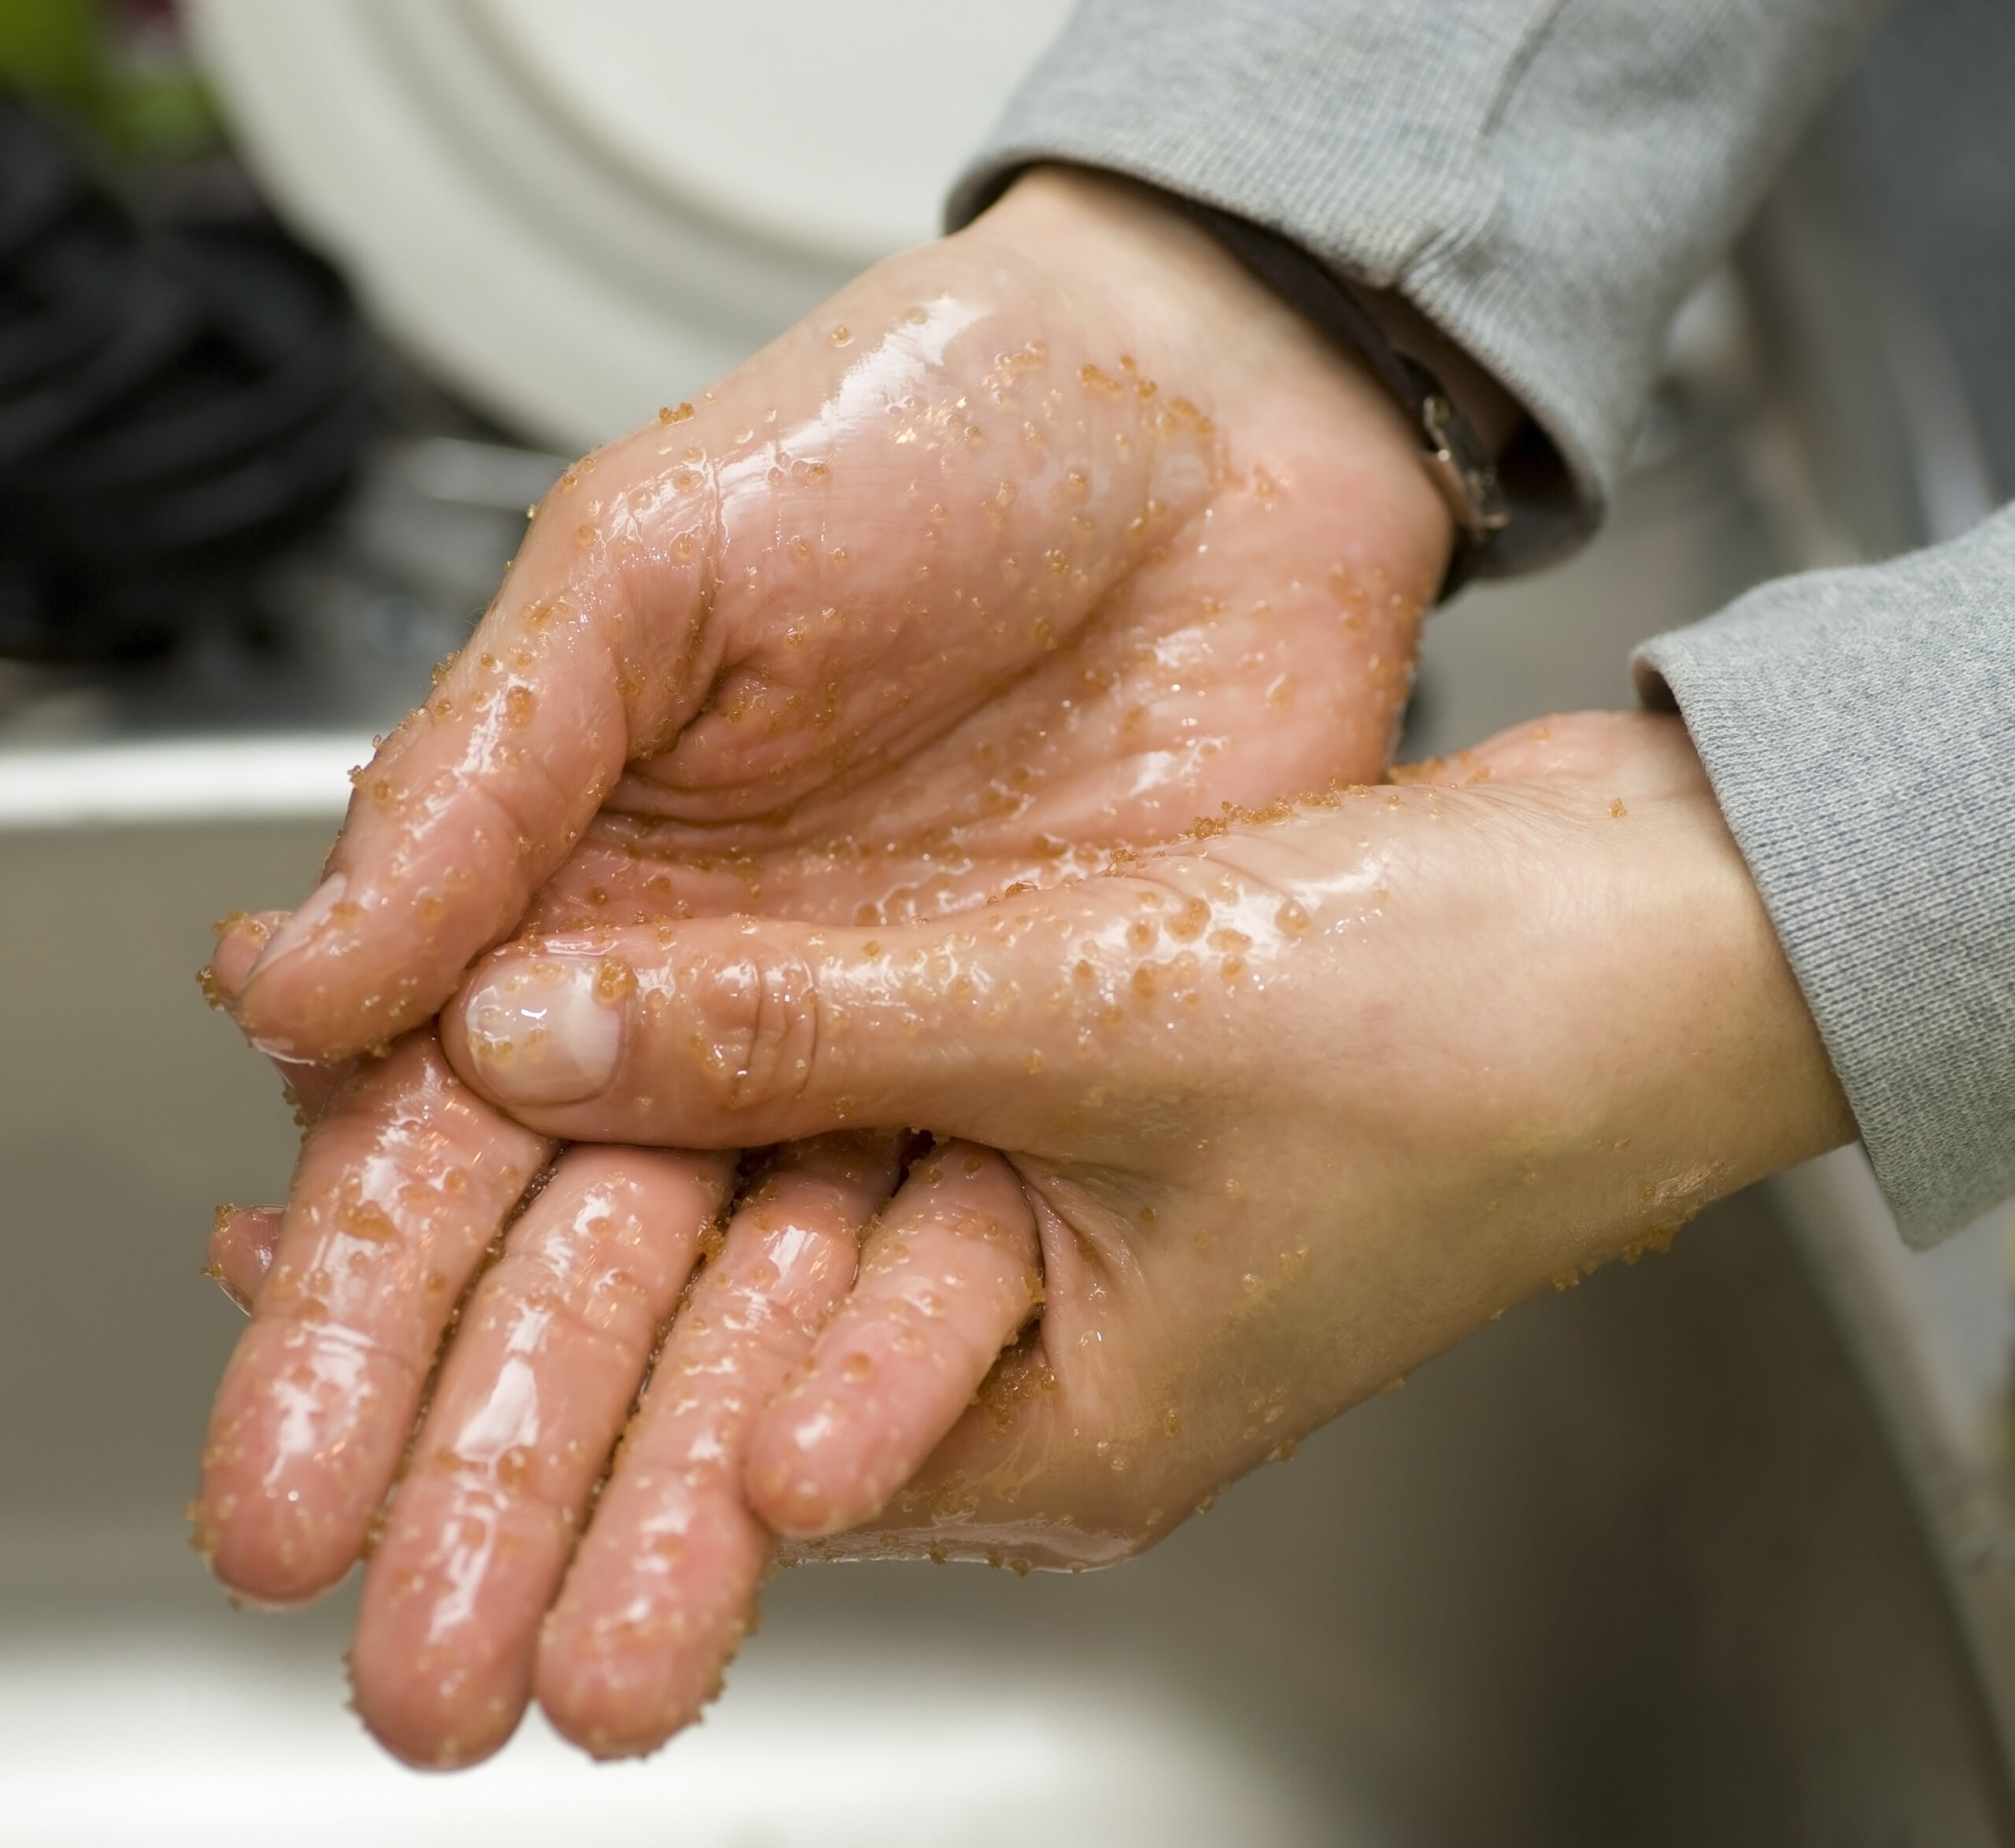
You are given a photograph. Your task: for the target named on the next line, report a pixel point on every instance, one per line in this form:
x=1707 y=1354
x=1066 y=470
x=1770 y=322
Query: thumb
x=465 y=810
x=727 y=1033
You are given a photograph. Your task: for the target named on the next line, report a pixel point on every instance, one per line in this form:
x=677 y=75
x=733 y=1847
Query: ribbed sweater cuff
x=1858 y=726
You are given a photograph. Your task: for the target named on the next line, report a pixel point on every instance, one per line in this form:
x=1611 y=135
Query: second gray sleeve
x=1856 y=725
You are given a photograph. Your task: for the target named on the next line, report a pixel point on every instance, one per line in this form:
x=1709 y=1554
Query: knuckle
x=761 y=1044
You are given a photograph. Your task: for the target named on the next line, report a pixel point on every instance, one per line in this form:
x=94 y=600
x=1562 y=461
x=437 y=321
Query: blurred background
x=300 y=306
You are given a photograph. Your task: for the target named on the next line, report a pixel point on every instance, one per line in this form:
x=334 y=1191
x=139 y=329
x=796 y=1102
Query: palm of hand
x=904 y=668
x=1185 y=690
x=1234 y=649
x=899 y=619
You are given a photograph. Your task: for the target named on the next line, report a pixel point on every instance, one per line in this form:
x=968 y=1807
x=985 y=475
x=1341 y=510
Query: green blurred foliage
x=118 y=72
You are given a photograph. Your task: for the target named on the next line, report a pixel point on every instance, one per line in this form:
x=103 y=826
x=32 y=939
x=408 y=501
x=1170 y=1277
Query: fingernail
x=548 y=1032
x=296 y=930
x=224 y=1281
x=242 y=1240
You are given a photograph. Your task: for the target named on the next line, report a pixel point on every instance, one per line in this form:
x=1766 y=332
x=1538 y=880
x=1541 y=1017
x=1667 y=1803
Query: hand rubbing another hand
x=830 y=765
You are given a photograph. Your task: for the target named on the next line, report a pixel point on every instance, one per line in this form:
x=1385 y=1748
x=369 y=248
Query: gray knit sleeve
x=1858 y=725
x=1544 y=179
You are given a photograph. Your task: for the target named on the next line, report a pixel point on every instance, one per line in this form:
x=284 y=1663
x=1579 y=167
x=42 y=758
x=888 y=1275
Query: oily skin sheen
x=1045 y=538
x=1380 y=1065
x=1027 y=550
x=1568 y=1024
x=935 y=599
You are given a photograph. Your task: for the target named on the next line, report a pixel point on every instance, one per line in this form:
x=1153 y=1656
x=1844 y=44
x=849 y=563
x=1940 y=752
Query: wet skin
x=1293 y=1107
x=1046 y=537
x=1027 y=568
x=546 y=1359
x=1566 y=1026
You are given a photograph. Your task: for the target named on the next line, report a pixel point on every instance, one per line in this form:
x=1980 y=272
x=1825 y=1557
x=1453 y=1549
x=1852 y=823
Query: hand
x=1236 y=642
x=403 y=1174
x=1293 y=1107
x=1567 y=1026
x=1026 y=543
x=535 y=1385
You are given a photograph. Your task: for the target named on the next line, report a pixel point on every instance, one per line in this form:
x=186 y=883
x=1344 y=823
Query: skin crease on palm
x=1294 y=1106
x=1027 y=550
x=1046 y=537
x=1382 y=1064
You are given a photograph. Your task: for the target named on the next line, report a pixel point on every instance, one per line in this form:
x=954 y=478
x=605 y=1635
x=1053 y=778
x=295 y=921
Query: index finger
x=309 y=1085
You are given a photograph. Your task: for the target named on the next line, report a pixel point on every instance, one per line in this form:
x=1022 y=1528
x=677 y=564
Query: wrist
x=1638 y=1044
x=1493 y=413
x=1460 y=418
x=1755 y=1079
x=1124 y=251
x=1723 y=1078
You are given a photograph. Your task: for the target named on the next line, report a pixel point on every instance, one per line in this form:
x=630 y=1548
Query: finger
x=478 y=795
x=727 y=1033
x=241 y=940
x=241 y=1244
x=946 y=1280
x=530 y=1397
x=399 y=1188
x=658 y=1594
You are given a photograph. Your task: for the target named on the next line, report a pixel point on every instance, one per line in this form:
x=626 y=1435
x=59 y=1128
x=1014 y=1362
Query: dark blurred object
x=175 y=402
x=1883 y=272
x=1925 y=136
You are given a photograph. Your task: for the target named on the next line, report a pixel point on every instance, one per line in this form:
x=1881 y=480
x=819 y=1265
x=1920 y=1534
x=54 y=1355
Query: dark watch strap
x=1457 y=462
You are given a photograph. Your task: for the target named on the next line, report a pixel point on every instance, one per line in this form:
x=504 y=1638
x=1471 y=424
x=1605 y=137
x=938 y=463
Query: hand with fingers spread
x=328 y=1390
x=406 y=1180
x=455 y=1634
x=1291 y=1107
